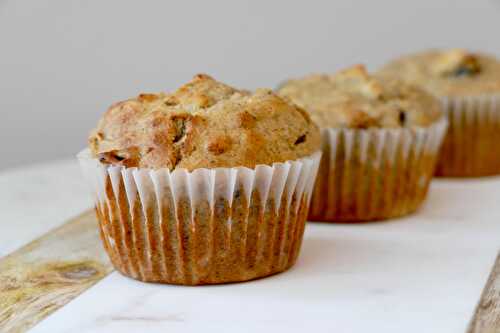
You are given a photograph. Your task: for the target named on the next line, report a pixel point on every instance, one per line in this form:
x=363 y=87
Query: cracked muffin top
x=454 y=72
x=353 y=98
x=204 y=124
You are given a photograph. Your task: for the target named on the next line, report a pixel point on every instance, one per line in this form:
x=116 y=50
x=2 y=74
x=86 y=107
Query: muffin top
x=352 y=98
x=453 y=72
x=204 y=124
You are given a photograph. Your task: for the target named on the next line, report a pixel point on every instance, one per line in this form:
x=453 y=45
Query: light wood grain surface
x=381 y=269
x=487 y=316
x=44 y=275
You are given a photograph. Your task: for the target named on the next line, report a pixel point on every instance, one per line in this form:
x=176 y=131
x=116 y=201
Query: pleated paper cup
x=376 y=173
x=202 y=227
x=471 y=147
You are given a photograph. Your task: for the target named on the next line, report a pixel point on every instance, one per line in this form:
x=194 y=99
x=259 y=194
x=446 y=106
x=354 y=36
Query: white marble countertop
x=419 y=274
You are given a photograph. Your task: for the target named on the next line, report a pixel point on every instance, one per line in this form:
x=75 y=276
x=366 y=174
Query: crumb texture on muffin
x=353 y=98
x=454 y=72
x=204 y=124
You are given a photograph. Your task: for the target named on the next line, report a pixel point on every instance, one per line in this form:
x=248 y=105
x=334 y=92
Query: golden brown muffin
x=455 y=72
x=354 y=99
x=380 y=141
x=468 y=84
x=206 y=124
x=190 y=188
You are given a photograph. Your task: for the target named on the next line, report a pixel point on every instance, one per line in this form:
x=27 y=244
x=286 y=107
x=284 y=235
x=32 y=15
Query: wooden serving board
x=487 y=316
x=49 y=272
x=44 y=275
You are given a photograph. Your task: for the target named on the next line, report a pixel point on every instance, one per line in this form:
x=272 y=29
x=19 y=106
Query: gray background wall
x=63 y=62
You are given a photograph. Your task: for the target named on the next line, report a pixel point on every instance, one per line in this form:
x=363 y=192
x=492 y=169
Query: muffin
x=205 y=185
x=380 y=139
x=468 y=85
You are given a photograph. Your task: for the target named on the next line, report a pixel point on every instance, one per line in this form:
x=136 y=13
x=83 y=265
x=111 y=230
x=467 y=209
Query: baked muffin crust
x=204 y=124
x=454 y=72
x=355 y=99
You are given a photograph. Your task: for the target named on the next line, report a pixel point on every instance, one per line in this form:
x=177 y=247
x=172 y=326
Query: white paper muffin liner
x=471 y=147
x=376 y=173
x=205 y=226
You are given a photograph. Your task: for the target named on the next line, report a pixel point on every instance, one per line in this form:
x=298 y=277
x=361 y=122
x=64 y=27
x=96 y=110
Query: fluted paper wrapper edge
x=470 y=148
x=375 y=173
x=205 y=226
